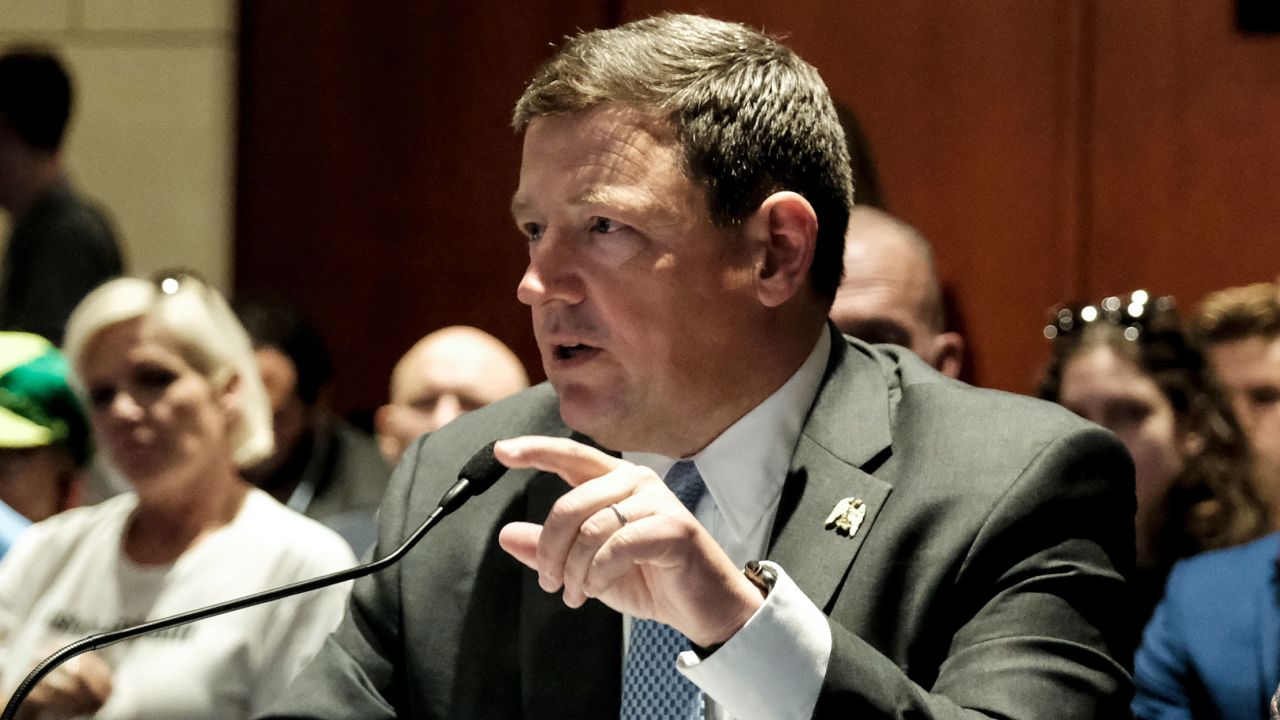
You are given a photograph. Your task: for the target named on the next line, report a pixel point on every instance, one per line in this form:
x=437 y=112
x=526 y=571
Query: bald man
x=445 y=374
x=890 y=292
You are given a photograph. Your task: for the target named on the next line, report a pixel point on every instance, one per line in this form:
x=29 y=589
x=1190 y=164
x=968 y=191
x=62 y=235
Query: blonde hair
x=209 y=336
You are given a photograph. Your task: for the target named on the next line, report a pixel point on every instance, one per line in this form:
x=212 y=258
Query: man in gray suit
x=930 y=549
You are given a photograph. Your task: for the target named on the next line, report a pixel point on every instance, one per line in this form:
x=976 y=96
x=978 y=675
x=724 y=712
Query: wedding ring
x=622 y=519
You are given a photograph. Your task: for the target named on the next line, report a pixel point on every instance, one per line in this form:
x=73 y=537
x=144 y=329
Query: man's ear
x=948 y=354
x=381 y=418
x=388 y=444
x=784 y=232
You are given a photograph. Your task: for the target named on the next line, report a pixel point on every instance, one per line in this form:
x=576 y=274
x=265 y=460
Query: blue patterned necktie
x=652 y=688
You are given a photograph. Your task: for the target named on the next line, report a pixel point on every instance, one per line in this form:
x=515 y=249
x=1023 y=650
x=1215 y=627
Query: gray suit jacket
x=989 y=574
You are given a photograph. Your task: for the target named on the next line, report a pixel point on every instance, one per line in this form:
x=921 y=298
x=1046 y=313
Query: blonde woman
x=177 y=406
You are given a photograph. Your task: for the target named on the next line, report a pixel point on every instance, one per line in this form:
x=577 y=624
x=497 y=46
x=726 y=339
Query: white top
x=68 y=577
x=774 y=666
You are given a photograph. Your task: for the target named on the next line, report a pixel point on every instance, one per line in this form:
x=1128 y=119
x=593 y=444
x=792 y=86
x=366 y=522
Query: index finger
x=570 y=459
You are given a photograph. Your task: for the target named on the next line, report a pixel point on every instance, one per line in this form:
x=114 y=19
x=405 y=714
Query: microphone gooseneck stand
x=481 y=471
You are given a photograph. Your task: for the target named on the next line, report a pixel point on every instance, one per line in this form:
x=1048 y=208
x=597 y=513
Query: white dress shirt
x=774 y=666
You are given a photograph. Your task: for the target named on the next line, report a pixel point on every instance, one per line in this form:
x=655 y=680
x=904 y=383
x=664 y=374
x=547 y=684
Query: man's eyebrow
x=597 y=195
x=603 y=195
x=627 y=200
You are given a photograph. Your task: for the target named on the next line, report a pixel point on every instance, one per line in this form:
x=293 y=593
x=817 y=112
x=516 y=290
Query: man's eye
x=605 y=225
x=426 y=404
x=533 y=231
x=1264 y=395
x=154 y=378
x=100 y=397
x=1126 y=413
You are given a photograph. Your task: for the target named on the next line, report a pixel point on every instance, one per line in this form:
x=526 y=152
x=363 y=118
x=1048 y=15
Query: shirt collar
x=745 y=466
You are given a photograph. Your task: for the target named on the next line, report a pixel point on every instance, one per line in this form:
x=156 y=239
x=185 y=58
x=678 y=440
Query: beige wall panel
x=26 y=16
x=152 y=141
x=158 y=15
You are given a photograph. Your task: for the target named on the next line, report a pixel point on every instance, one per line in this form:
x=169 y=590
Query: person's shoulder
x=273 y=528
x=1249 y=564
x=357 y=451
x=1003 y=412
x=1208 y=594
x=57 y=536
x=921 y=394
x=360 y=472
x=66 y=203
x=85 y=518
x=975 y=447
x=356 y=444
x=65 y=214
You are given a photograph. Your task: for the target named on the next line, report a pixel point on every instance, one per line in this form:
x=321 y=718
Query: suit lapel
x=847 y=430
x=571 y=659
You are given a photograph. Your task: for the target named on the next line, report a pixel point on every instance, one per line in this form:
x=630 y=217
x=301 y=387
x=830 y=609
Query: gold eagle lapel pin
x=846 y=517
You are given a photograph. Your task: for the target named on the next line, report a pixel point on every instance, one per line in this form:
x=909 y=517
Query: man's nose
x=124 y=407
x=551 y=274
x=446 y=409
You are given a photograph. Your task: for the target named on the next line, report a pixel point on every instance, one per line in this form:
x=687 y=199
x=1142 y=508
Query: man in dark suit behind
x=933 y=550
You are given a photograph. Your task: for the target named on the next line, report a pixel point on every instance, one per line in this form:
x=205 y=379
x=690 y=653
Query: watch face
x=760 y=575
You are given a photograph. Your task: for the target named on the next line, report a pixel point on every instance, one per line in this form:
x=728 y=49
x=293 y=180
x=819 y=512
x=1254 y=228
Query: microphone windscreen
x=482 y=470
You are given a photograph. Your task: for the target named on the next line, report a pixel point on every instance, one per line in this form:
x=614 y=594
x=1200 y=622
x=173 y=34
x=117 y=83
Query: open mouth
x=573 y=352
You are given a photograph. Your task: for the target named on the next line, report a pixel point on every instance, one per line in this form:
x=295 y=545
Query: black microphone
x=480 y=472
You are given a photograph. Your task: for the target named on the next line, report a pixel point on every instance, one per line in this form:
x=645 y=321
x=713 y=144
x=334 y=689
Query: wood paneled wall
x=1051 y=150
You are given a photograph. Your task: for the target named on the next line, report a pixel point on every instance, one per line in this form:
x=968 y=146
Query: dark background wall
x=1052 y=150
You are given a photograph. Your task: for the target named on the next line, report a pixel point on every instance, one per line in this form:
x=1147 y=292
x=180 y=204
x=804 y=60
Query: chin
x=586 y=412
x=579 y=418
x=612 y=430
x=141 y=469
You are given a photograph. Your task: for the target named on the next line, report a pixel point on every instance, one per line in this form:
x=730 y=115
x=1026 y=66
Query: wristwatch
x=764 y=577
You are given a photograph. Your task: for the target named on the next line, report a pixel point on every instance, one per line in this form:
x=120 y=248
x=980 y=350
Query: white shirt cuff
x=774 y=666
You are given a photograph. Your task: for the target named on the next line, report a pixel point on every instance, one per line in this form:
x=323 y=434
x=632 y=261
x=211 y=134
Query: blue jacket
x=11 y=524
x=1212 y=649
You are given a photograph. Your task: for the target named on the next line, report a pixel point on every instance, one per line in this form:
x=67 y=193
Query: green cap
x=37 y=406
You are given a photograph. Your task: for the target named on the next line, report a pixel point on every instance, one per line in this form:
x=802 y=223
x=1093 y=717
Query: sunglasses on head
x=1134 y=312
